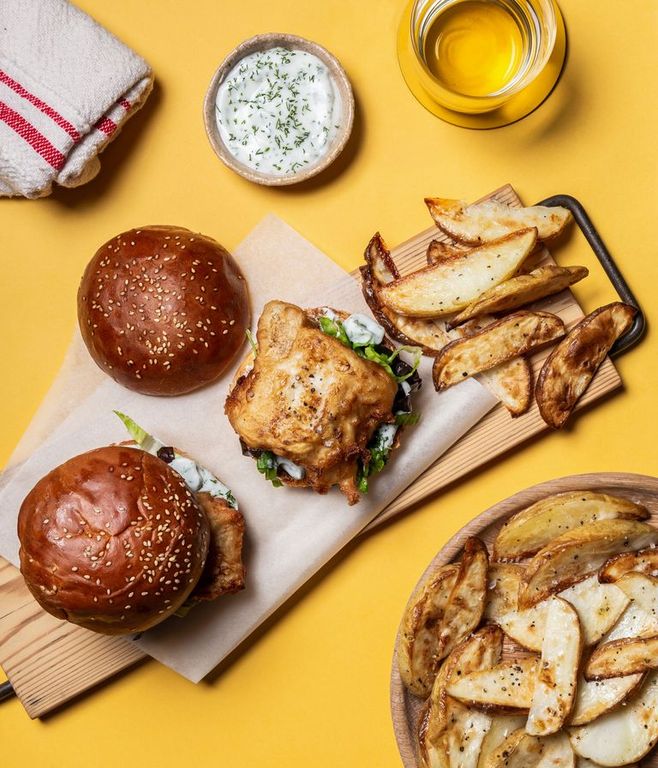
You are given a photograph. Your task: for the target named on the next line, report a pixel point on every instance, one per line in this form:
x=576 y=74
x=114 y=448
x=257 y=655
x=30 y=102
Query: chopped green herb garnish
x=266 y=464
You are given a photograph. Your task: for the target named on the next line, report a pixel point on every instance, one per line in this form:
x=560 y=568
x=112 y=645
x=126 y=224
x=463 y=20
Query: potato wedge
x=555 y=689
x=514 y=335
x=449 y=286
x=634 y=622
x=419 y=636
x=450 y=734
x=438 y=251
x=526 y=532
x=466 y=602
x=483 y=222
x=624 y=735
x=520 y=290
x=430 y=335
x=578 y=553
x=501 y=727
x=507 y=687
x=519 y=750
x=557 y=752
x=380 y=270
x=511 y=381
x=645 y=561
x=597 y=697
x=628 y=656
x=643 y=590
x=598 y=608
x=583 y=762
x=504 y=581
x=380 y=262
x=570 y=367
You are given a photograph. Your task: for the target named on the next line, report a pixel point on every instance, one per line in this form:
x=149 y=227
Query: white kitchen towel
x=67 y=86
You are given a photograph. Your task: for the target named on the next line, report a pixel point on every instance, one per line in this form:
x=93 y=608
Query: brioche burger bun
x=115 y=541
x=163 y=310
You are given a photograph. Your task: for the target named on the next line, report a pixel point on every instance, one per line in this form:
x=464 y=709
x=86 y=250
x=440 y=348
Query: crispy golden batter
x=224 y=571
x=310 y=399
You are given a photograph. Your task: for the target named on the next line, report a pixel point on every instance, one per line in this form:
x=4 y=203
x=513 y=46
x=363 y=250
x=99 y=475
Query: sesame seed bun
x=163 y=310
x=112 y=540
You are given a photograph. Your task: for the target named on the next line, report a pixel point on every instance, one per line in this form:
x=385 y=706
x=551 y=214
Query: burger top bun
x=112 y=540
x=163 y=310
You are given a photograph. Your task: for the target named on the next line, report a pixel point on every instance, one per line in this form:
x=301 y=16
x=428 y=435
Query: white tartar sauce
x=278 y=111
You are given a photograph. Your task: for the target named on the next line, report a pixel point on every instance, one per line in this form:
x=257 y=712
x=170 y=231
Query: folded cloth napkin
x=66 y=87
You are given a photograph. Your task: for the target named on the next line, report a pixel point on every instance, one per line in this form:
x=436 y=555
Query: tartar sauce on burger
x=278 y=110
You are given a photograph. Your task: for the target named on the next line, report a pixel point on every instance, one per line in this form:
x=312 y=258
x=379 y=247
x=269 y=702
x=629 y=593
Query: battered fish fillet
x=310 y=399
x=224 y=571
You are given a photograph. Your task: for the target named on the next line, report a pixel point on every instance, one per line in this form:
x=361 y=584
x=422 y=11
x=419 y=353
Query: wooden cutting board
x=405 y=708
x=50 y=662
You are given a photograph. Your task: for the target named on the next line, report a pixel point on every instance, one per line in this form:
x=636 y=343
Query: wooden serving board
x=405 y=708
x=50 y=662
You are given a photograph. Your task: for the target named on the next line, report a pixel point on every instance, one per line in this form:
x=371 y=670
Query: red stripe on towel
x=106 y=125
x=125 y=104
x=32 y=136
x=40 y=105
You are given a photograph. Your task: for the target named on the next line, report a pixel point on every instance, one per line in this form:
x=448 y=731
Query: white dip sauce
x=278 y=111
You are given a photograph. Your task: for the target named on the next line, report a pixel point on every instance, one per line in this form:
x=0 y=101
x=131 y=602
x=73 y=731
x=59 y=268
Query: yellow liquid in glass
x=474 y=47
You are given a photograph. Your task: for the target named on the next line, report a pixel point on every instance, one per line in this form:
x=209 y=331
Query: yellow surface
x=313 y=690
x=474 y=48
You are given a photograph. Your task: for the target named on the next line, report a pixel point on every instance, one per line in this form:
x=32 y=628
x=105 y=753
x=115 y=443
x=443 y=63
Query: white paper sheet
x=291 y=533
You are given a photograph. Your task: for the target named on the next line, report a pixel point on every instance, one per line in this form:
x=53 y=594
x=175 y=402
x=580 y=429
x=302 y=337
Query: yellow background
x=313 y=689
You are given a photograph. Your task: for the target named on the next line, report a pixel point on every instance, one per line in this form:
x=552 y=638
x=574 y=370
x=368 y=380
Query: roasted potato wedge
x=483 y=222
x=514 y=335
x=519 y=750
x=624 y=735
x=597 y=697
x=429 y=335
x=520 y=290
x=645 y=561
x=634 y=622
x=507 y=687
x=583 y=762
x=449 y=286
x=438 y=251
x=511 y=381
x=466 y=602
x=502 y=590
x=380 y=262
x=557 y=752
x=501 y=727
x=451 y=734
x=570 y=367
x=578 y=553
x=526 y=532
x=598 y=608
x=643 y=590
x=557 y=675
x=380 y=270
x=419 y=644
x=628 y=656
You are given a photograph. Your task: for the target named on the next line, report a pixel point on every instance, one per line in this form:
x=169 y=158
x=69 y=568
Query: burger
x=322 y=398
x=163 y=310
x=119 y=538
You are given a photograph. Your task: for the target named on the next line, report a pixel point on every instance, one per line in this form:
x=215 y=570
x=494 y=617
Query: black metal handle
x=6 y=691
x=637 y=329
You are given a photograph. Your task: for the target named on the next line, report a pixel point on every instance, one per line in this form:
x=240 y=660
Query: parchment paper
x=291 y=533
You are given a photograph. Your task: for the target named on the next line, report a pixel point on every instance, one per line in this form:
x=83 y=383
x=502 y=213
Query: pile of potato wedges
x=466 y=307
x=543 y=652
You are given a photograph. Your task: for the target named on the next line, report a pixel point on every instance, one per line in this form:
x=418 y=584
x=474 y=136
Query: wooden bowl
x=405 y=707
x=263 y=43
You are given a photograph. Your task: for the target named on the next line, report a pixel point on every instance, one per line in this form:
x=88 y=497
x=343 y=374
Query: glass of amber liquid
x=473 y=56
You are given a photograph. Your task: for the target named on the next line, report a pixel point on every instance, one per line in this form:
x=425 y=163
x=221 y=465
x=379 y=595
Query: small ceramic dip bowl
x=340 y=132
